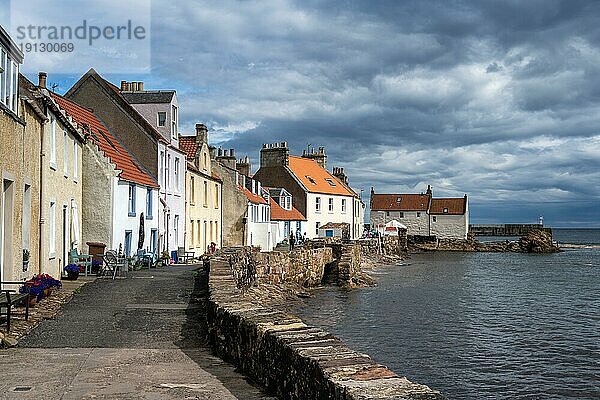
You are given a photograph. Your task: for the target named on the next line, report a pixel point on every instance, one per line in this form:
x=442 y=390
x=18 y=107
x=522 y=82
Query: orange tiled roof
x=279 y=213
x=188 y=145
x=455 y=206
x=254 y=198
x=408 y=202
x=315 y=178
x=118 y=155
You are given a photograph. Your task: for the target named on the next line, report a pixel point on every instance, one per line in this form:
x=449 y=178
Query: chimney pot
x=42 y=77
x=123 y=86
x=231 y=153
x=225 y=153
x=141 y=86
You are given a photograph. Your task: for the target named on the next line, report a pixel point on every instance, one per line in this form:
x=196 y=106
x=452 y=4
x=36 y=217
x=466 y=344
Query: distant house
x=320 y=196
x=423 y=215
x=146 y=122
x=204 y=194
x=260 y=230
x=120 y=198
x=290 y=220
x=335 y=230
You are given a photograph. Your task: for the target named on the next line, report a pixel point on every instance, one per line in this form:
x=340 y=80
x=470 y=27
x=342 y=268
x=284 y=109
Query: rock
x=8 y=341
x=537 y=241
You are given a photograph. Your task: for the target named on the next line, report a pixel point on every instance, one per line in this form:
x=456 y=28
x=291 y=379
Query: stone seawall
x=292 y=360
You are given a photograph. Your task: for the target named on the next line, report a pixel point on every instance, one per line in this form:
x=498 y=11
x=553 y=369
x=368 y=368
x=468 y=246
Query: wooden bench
x=9 y=298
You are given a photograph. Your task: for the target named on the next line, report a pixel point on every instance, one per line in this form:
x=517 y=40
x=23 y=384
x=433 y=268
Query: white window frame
x=158 y=119
x=52 y=142
x=3 y=76
x=318 y=204
x=176 y=173
x=65 y=153
x=330 y=204
x=75 y=162
x=52 y=230
x=131 y=206
x=344 y=205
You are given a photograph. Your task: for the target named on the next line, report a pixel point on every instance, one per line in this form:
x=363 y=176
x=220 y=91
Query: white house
x=120 y=198
x=320 y=196
x=260 y=230
x=423 y=215
x=290 y=221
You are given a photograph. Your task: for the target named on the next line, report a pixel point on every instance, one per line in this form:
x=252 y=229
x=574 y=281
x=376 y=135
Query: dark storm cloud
x=500 y=100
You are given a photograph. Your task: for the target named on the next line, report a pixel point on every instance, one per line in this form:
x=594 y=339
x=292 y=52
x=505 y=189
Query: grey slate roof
x=149 y=97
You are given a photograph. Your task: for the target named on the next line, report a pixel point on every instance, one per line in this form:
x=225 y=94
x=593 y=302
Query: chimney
x=243 y=166
x=212 y=150
x=339 y=173
x=123 y=86
x=275 y=155
x=201 y=134
x=42 y=76
x=429 y=192
x=226 y=158
x=140 y=86
x=319 y=156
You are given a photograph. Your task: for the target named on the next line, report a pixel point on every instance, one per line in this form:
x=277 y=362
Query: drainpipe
x=42 y=193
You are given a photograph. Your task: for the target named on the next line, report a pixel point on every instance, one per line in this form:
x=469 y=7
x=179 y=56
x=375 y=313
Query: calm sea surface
x=482 y=325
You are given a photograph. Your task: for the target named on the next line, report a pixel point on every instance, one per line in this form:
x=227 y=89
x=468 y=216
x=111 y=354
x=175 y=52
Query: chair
x=81 y=259
x=144 y=258
x=184 y=256
x=9 y=298
x=112 y=263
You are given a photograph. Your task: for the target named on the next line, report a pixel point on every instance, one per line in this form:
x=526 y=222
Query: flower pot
x=72 y=276
x=47 y=292
x=32 y=300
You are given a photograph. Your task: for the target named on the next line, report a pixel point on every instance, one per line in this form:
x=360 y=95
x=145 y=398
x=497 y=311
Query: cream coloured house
x=203 y=188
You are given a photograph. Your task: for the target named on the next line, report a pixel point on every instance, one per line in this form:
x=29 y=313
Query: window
x=198 y=234
x=149 y=204
x=434 y=219
x=318 y=204
x=330 y=181
x=167 y=172
x=177 y=173
x=52 y=142
x=132 y=200
x=161 y=170
x=418 y=214
x=211 y=231
x=401 y=214
x=192 y=190
x=216 y=231
x=15 y=89
x=318 y=224
x=216 y=195
x=343 y=205
x=191 y=238
x=153 y=240
x=387 y=213
x=445 y=211
x=330 y=204
x=205 y=194
x=162 y=118
x=311 y=180
x=26 y=218
x=9 y=83
x=65 y=154
x=52 y=228
x=174 y=122
x=3 y=75
x=398 y=199
x=205 y=161
x=75 y=163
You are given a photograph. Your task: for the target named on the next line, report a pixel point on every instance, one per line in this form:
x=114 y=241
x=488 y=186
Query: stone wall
x=304 y=267
x=289 y=358
x=390 y=245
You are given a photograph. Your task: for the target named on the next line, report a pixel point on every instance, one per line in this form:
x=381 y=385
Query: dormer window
x=398 y=199
x=330 y=181
x=162 y=118
x=445 y=211
x=311 y=180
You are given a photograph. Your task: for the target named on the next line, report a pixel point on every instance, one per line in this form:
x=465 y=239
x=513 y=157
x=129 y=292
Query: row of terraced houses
x=106 y=163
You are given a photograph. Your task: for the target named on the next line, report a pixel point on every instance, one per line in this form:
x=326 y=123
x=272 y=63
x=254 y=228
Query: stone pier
x=248 y=327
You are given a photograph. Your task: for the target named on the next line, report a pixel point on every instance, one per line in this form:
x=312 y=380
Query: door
x=6 y=229
x=66 y=237
x=128 y=238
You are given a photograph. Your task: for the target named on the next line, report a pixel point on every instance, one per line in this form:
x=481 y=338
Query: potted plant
x=96 y=266
x=72 y=271
x=26 y=255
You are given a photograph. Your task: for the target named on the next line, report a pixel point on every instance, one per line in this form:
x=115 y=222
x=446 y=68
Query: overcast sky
x=499 y=100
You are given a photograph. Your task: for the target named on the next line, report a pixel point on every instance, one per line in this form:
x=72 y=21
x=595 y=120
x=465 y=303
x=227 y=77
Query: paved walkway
x=135 y=338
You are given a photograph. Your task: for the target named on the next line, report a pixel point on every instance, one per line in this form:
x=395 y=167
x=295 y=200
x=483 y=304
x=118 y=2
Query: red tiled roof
x=188 y=145
x=254 y=198
x=455 y=206
x=407 y=202
x=118 y=155
x=279 y=213
x=316 y=178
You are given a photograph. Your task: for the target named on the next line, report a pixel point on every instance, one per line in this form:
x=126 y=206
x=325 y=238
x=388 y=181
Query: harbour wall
x=506 y=229
x=247 y=326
